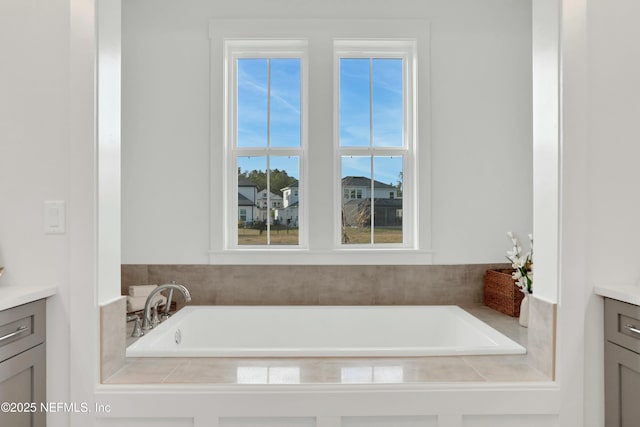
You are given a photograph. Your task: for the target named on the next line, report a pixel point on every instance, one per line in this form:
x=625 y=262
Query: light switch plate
x=54 y=217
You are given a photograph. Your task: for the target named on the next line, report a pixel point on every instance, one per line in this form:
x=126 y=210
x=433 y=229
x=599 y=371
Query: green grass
x=380 y=235
x=251 y=236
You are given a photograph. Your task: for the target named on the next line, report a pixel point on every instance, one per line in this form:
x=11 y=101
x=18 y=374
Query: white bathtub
x=325 y=331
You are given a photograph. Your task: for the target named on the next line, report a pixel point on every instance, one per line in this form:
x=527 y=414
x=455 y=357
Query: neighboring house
x=387 y=213
x=356 y=196
x=266 y=205
x=359 y=187
x=247 y=195
x=356 y=203
x=288 y=215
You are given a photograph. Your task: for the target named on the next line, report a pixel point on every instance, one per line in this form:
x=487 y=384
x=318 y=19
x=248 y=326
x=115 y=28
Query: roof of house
x=361 y=181
x=244 y=182
x=244 y=201
x=294 y=185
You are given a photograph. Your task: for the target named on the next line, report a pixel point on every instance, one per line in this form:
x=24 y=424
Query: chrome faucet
x=146 y=319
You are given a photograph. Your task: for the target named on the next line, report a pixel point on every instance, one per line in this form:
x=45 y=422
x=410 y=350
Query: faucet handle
x=155 y=320
x=137 y=328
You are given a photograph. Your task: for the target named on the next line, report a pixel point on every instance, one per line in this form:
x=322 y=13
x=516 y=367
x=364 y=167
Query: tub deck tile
x=505 y=368
x=145 y=370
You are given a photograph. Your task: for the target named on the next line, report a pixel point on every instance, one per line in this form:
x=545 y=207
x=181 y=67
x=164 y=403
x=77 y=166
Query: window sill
x=342 y=256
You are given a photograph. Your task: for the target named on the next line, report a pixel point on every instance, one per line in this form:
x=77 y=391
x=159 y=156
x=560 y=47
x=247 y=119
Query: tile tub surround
x=318 y=284
x=398 y=370
x=542 y=336
x=112 y=337
x=337 y=285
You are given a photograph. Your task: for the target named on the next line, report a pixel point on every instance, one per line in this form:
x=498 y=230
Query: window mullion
x=268 y=149
x=251 y=152
x=371 y=198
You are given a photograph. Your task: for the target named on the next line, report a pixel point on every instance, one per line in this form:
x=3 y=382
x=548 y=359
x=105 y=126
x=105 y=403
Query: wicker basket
x=501 y=292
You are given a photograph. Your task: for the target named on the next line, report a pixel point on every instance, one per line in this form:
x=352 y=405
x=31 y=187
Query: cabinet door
x=22 y=382
x=622 y=386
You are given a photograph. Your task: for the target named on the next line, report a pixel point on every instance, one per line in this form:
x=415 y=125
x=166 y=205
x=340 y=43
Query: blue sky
x=284 y=109
x=355 y=80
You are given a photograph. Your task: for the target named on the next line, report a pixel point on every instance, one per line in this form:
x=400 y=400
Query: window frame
x=235 y=49
x=320 y=245
x=380 y=49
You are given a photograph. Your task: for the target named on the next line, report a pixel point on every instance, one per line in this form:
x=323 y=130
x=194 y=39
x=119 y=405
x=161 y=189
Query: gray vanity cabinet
x=22 y=365
x=622 y=364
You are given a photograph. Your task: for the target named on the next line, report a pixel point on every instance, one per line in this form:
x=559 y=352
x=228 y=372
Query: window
x=374 y=141
x=266 y=141
x=316 y=138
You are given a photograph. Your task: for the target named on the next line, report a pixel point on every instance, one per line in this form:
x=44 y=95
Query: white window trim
x=376 y=48
x=320 y=33
x=261 y=48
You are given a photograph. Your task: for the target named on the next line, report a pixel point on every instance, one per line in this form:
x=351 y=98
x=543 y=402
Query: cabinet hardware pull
x=20 y=330
x=630 y=328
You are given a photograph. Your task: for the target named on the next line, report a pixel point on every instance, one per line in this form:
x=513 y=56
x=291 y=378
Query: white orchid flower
x=521 y=265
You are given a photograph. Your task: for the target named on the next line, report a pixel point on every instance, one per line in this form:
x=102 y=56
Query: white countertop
x=13 y=296
x=625 y=293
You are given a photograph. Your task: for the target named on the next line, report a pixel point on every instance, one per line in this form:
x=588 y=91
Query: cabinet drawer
x=21 y=328
x=622 y=324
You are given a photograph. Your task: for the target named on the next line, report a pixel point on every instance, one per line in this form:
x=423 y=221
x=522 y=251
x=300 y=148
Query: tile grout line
x=474 y=369
x=173 y=370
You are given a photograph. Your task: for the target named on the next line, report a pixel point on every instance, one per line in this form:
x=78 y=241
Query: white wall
x=481 y=129
x=34 y=165
x=613 y=173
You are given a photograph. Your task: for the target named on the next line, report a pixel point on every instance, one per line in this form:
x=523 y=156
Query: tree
x=279 y=179
x=399 y=184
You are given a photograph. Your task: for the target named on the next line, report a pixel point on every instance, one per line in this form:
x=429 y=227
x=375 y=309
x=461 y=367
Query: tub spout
x=146 y=320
